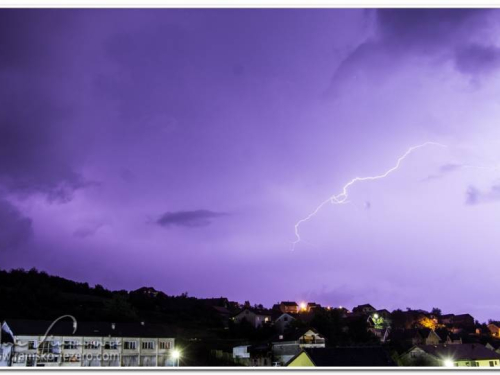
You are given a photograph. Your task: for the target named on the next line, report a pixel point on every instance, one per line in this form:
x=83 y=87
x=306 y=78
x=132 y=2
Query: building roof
x=289 y=303
x=21 y=327
x=295 y=335
x=464 y=316
x=460 y=351
x=278 y=315
x=495 y=344
x=262 y=312
x=362 y=307
x=221 y=310
x=445 y=316
x=350 y=356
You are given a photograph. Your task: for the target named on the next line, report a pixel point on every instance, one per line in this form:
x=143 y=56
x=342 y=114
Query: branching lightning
x=342 y=197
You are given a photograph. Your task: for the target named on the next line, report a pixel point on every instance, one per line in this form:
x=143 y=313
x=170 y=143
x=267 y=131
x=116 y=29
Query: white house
x=91 y=344
x=255 y=317
x=283 y=321
x=241 y=351
x=285 y=347
x=456 y=355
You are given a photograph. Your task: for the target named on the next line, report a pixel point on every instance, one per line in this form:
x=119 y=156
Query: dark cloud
x=428 y=30
x=15 y=228
x=436 y=34
x=475 y=196
x=26 y=36
x=197 y=218
x=476 y=59
x=37 y=146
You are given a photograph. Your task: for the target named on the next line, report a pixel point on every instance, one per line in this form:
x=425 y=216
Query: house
x=423 y=336
x=285 y=347
x=468 y=355
x=384 y=313
x=342 y=357
x=463 y=320
x=494 y=330
x=363 y=309
x=252 y=355
x=241 y=351
x=289 y=307
x=448 y=337
x=312 y=306
x=283 y=321
x=83 y=344
x=446 y=319
x=458 y=321
x=220 y=302
x=426 y=336
x=343 y=311
x=256 y=317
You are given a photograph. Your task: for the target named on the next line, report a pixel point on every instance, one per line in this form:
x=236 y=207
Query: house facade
x=283 y=321
x=87 y=344
x=256 y=318
x=289 y=307
x=458 y=355
x=494 y=330
x=365 y=309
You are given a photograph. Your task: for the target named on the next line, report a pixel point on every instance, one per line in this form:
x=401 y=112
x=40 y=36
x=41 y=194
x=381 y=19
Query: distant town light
x=375 y=316
x=449 y=363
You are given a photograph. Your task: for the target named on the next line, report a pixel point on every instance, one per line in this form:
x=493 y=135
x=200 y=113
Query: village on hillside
x=65 y=323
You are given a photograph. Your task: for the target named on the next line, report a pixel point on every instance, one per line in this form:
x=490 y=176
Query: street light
x=176 y=355
x=448 y=363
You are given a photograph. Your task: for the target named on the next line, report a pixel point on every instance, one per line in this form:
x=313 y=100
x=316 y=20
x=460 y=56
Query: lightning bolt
x=342 y=197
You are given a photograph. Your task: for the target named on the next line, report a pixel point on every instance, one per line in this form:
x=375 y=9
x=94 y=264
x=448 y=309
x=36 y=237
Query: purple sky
x=178 y=148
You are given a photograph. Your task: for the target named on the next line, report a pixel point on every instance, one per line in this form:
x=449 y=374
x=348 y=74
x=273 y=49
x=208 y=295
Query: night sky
x=178 y=148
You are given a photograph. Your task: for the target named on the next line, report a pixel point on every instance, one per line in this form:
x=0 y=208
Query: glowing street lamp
x=449 y=363
x=176 y=355
x=303 y=306
x=375 y=316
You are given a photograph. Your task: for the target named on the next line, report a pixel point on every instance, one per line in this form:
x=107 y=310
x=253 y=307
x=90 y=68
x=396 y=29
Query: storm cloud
x=432 y=36
x=186 y=116
x=190 y=219
x=15 y=228
x=38 y=142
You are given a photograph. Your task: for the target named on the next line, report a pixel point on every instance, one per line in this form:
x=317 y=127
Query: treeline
x=36 y=295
